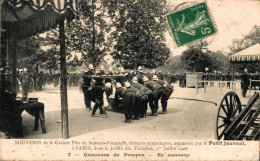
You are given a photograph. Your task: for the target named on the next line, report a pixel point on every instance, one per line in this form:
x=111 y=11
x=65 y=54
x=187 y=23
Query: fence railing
x=251 y=84
x=221 y=84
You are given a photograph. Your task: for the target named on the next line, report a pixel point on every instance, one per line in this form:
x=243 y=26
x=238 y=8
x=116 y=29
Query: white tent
x=249 y=54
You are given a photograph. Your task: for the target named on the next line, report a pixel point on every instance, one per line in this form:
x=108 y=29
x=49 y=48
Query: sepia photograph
x=130 y=80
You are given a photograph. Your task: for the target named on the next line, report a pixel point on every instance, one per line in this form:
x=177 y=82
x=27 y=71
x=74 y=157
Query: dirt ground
x=186 y=119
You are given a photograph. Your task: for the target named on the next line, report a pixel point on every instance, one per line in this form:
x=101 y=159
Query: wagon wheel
x=229 y=108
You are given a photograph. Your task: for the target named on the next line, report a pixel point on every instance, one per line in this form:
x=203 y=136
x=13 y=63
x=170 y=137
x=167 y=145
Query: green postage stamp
x=191 y=24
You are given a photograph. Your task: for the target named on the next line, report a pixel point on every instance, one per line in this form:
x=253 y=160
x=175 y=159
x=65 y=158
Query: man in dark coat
x=86 y=84
x=153 y=98
x=129 y=100
x=97 y=93
x=10 y=115
x=141 y=109
x=25 y=81
x=40 y=81
x=140 y=75
x=245 y=82
x=168 y=89
x=128 y=96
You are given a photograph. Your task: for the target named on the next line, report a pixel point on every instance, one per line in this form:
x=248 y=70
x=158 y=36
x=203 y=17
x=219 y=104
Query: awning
x=23 y=18
x=249 y=54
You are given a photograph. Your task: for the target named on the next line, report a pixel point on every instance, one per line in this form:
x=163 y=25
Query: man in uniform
x=40 y=81
x=25 y=81
x=86 y=84
x=140 y=75
x=129 y=99
x=121 y=77
x=228 y=78
x=245 y=82
x=109 y=86
x=119 y=97
x=153 y=98
x=101 y=71
x=168 y=89
x=98 y=93
x=141 y=109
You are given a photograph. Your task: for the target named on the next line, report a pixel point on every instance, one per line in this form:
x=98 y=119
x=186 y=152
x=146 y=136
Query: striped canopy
x=249 y=54
x=23 y=18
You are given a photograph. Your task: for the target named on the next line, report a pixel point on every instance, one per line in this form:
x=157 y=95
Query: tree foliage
x=248 y=40
x=139 y=33
x=88 y=34
x=252 y=38
x=195 y=60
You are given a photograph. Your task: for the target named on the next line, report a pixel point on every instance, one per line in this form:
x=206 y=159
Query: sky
x=233 y=18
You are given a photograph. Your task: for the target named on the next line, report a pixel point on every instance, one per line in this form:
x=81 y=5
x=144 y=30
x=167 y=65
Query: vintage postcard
x=130 y=80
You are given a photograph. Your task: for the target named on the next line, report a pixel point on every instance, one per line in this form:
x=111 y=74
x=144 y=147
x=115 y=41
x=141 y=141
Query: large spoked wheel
x=229 y=108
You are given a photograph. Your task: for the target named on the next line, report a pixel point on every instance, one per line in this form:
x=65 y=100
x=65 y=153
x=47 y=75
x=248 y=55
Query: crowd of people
x=132 y=92
x=129 y=92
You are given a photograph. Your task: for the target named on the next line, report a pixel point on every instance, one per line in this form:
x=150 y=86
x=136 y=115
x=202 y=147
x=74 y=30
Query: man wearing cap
x=153 y=98
x=101 y=71
x=25 y=82
x=140 y=75
x=245 y=82
x=86 y=84
x=119 y=96
x=168 y=89
x=98 y=93
x=121 y=75
x=110 y=71
x=129 y=100
x=141 y=109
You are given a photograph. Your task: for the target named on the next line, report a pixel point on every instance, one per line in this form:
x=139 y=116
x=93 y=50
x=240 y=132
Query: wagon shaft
x=246 y=125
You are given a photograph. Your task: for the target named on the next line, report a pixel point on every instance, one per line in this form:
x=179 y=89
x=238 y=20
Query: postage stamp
x=190 y=24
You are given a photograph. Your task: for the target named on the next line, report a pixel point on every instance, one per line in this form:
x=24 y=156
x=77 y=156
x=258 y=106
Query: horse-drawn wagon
x=236 y=121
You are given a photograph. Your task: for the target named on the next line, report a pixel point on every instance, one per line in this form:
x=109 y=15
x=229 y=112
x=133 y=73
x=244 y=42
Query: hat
x=127 y=84
x=102 y=67
x=134 y=80
x=245 y=70
x=145 y=79
x=25 y=69
x=122 y=69
x=90 y=66
x=118 y=85
x=139 y=69
x=155 y=77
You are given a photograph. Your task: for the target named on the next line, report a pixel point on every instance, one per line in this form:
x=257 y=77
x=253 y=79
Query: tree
x=88 y=34
x=220 y=62
x=195 y=60
x=139 y=33
x=253 y=37
x=173 y=64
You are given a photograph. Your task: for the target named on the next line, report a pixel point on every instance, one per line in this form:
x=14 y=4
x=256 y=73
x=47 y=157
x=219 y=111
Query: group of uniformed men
x=132 y=93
